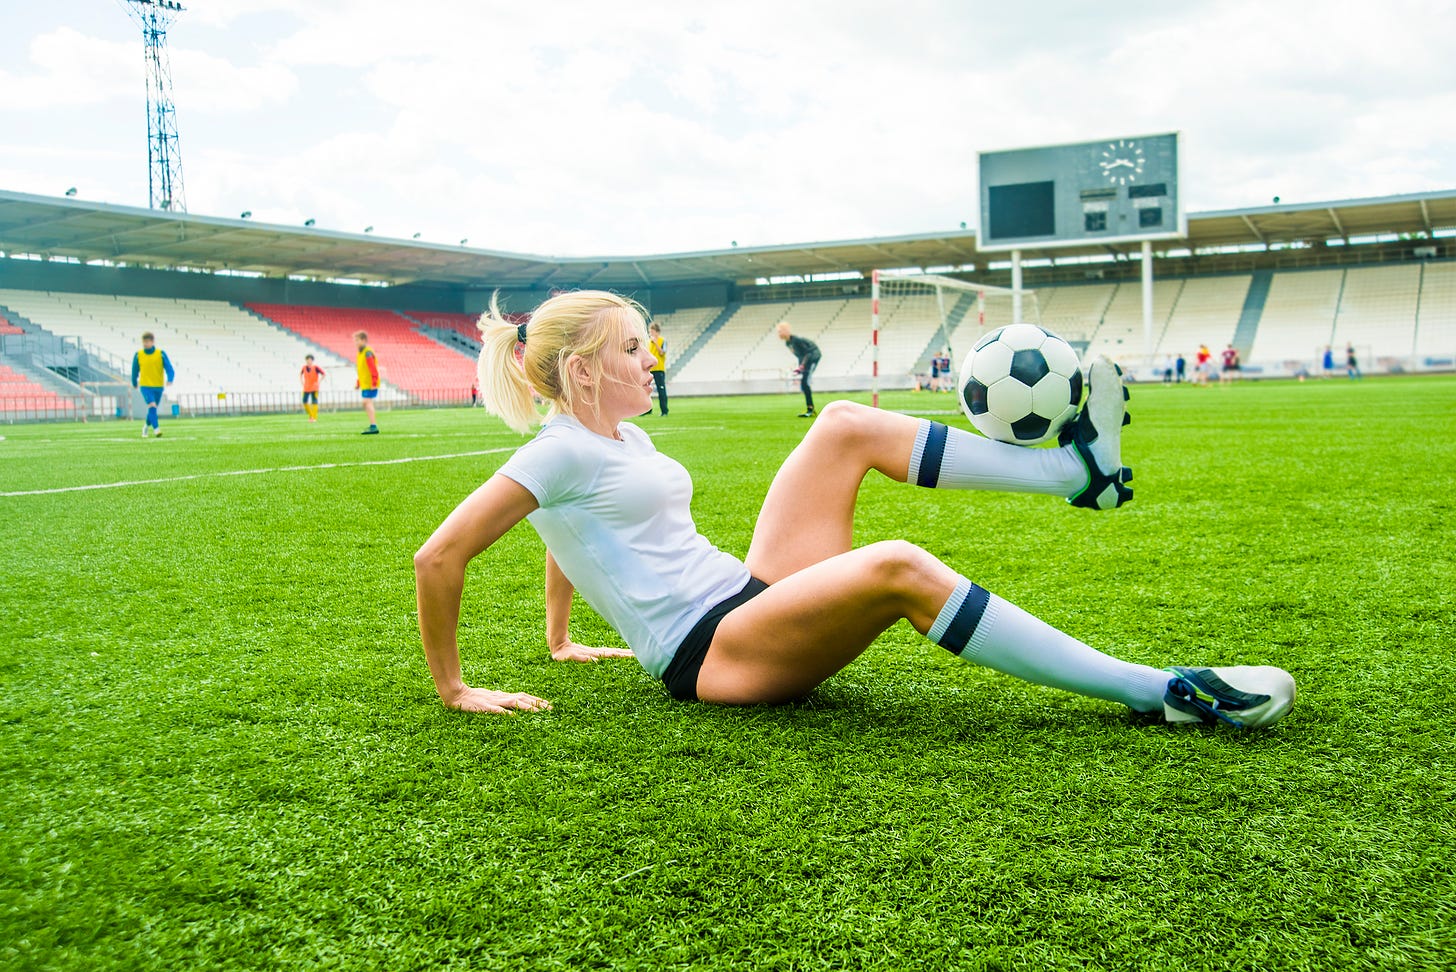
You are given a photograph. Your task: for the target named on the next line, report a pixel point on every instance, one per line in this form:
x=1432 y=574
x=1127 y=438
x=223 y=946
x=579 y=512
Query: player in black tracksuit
x=807 y=354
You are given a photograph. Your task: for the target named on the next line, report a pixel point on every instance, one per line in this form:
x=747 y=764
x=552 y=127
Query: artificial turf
x=222 y=748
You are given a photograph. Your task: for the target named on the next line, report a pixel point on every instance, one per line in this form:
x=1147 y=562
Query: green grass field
x=222 y=748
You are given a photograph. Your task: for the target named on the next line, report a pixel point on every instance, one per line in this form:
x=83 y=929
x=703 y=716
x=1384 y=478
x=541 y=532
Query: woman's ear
x=577 y=370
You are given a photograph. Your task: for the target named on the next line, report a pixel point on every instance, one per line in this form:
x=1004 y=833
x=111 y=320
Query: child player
x=309 y=377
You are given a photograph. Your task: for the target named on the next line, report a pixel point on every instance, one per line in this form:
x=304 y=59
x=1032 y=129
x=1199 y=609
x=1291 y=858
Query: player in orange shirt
x=309 y=377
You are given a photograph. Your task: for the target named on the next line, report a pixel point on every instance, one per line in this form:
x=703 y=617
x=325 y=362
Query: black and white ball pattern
x=1021 y=384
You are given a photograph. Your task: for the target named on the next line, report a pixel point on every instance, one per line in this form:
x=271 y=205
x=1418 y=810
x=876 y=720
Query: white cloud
x=205 y=84
x=68 y=68
x=574 y=126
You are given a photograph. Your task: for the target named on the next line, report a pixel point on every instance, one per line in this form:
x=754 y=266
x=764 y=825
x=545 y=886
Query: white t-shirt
x=615 y=516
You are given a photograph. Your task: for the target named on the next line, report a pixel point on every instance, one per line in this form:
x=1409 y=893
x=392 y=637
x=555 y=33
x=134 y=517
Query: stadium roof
x=51 y=227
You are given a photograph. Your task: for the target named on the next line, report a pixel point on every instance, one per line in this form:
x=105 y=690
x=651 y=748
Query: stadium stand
x=463 y=324
x=1378 y=310
x=1304 y=312
x=1207 y=312
x=1436 y=324
x=1120 y=330
x=215 y=346
x=1075 y=311
x=841 y=328
x=408 y=359
x=1398 y=316
x=1299 y=317
x=730 y=352
x=19 y=394
x=681 y=328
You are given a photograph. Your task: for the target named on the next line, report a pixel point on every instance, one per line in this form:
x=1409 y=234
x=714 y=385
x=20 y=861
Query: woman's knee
x=902 y=566
x=916 y=580
x=843 y=421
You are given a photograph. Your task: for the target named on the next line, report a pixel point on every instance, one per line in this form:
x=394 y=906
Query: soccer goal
x=917 y=316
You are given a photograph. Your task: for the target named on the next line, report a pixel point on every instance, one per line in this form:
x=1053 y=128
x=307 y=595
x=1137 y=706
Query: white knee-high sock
x=948 y=458
x=988 y=630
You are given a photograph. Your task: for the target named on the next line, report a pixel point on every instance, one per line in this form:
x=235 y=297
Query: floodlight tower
x=164 y=152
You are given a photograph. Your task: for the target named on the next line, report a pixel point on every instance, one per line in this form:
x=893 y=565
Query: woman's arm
x=558 y=621
x=481 y=520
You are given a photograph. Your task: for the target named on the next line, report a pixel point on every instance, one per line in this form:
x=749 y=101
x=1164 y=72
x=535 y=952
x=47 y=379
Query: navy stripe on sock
x=966 y=620
x=929 y=472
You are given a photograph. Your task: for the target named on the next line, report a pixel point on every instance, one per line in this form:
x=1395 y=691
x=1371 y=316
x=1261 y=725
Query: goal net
x=916 y=317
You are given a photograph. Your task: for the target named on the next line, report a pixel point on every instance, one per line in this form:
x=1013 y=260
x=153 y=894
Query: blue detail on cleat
x=1205 y=695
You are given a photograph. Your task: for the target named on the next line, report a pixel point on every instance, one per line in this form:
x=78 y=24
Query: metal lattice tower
x=164 y=152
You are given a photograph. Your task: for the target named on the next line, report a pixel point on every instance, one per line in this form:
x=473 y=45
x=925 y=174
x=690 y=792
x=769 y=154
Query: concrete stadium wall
x=785 y=386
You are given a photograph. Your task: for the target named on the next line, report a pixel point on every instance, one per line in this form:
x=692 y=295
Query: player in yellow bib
x=657 y=345
x=151 y=372
x=368 y=383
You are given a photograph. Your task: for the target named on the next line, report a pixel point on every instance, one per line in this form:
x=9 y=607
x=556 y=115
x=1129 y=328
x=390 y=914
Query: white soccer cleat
x=1242 y=696
x=1096 y=435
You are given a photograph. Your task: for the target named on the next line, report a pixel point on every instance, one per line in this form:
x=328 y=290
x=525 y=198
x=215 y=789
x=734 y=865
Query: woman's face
x=626 y=369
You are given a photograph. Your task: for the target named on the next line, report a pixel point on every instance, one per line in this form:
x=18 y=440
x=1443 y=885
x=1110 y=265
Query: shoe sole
x=1106 y=413
x=1101 y=420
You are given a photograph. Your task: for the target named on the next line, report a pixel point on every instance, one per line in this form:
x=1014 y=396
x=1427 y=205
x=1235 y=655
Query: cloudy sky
x=572 y=128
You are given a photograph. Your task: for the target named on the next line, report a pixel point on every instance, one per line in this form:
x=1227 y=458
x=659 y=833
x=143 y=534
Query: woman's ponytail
x=504 y=390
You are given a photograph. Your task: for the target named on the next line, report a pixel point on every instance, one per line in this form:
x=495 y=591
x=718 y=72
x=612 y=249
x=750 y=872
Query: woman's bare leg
x=808 y=514
x=809 y=625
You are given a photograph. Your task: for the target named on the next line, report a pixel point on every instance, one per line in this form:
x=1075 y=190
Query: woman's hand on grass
x=499 y=703
x=573 y=652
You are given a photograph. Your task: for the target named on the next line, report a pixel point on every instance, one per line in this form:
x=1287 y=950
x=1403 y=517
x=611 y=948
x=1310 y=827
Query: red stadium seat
x=19 y=394
x=408 y=359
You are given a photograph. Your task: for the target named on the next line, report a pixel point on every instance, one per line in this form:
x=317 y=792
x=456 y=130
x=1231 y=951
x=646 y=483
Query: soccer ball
x=1021 y=384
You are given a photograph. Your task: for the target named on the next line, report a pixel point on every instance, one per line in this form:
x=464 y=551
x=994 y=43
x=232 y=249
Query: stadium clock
x=1122 y=162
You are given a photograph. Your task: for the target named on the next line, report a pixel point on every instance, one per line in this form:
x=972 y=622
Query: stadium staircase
x=458 y=332
x=698 y=343
x=1252 y=313
x=959 y=312
x=1436 y=316
x=46 y=373
x=23 y=395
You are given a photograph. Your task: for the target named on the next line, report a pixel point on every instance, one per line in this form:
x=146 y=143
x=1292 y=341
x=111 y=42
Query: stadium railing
x=256 y=403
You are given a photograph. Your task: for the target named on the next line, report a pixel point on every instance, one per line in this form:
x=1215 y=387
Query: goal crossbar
x=950 y=283
x=937 y=285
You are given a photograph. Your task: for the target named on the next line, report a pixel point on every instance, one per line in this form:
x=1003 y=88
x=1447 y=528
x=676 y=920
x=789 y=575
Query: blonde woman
x=614 y=514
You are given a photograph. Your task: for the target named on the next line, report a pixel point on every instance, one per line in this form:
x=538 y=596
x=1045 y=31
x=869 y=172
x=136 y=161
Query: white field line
x=253 y=472
x=278 y=469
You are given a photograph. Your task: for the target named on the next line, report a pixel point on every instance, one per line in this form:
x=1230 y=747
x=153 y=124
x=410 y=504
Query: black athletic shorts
x=681 y=677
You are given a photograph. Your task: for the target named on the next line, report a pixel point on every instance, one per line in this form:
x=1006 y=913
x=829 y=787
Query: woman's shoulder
x=557 y=436
x=634 y=435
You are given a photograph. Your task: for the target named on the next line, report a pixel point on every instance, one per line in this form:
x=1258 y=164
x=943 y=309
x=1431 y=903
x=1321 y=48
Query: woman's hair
x=581 y=323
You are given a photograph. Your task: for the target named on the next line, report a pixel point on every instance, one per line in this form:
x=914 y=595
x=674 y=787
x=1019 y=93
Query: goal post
x=914 y=315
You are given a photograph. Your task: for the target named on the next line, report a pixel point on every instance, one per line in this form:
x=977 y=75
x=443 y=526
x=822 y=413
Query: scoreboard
x=1113 y=190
